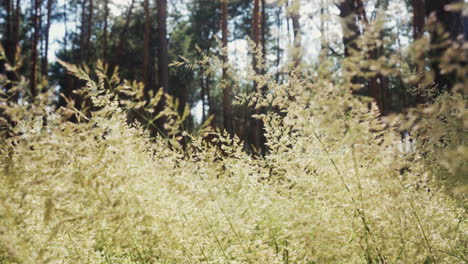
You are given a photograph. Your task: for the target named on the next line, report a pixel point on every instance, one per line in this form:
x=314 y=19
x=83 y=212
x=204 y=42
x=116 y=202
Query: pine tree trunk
x=146 y=44
x=264 y=32
x=257 y=125
x=202 y=96
x=349 y=25
x=123 y=34
x=163 y=49
x=8 y=41
x=65 y=25
x=418 y=18
x=418 y=31
x=83 y=33
x=227 y=90
x=45 y=62
x=16 y=25
x=452 y=22
x=106 y=29
x=89 y=30
x=34 y=52
x=278 y=43
x=295 y=17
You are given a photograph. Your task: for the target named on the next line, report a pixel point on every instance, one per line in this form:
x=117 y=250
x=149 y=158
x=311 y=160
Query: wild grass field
x=334 y=187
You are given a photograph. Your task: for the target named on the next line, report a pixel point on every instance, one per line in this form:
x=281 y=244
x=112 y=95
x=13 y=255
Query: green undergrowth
x=334 y=187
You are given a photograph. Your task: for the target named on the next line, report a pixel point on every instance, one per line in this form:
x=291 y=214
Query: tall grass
x=333 y=188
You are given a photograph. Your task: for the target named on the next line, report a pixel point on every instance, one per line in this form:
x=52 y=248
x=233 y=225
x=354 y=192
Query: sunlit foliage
x=335 y=186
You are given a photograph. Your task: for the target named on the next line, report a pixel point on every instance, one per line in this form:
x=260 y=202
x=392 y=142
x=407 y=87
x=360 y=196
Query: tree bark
x=452 y=22
x=45 y=62
x=202 y=97
x=83 y=33
x=163 y=48
x=146 y=44
x=227 y=90
x=106 y=29
x=418 y=31
x=7 y=41
x=418 y=18
x=278 y=43
x=65 y=25
x=349 y=25
x=89 y=30
x=34 y=52
x=264 y=28
x=257 y=124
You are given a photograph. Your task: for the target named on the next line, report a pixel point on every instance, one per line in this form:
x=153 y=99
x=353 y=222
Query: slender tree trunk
x=257 y=125
x=123 y=34
x=65 y=25
x=264 y=28
x=209 y=99
x=89 y=30
x=418 y=31
x=34 y=52
x=227 y=90
x=83 y=34
x=256 y=32
x=295 y=17
x=146 y=44
x=203 y=100
x=45 y=62
x=163 y=48
x=278 y=43
x=16 y=25
x=106 y=29
x=7 y=41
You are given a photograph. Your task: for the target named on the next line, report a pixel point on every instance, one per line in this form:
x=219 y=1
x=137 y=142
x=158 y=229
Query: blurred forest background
x=151 y=40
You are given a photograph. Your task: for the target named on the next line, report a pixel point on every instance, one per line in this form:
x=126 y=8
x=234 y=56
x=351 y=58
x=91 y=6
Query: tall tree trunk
x=351 y=12
x=146 y=44
x=106 y=30
x=65 y=25
x=34 y=52
x=278 y=42
x=163 y=49
x=202 y=97
x=163 y=56
x=349 y=25
x=89 y=30
x=83 y=34
x=227 y=90
x=295 y=17
x=123 y=34
x=45 y=62
x=7 y=40
x=257 y=125
x=418 y=18
x=418 y=31
x=16 y=25
x=452 y=22
x=256 y=32
x=264 y=28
